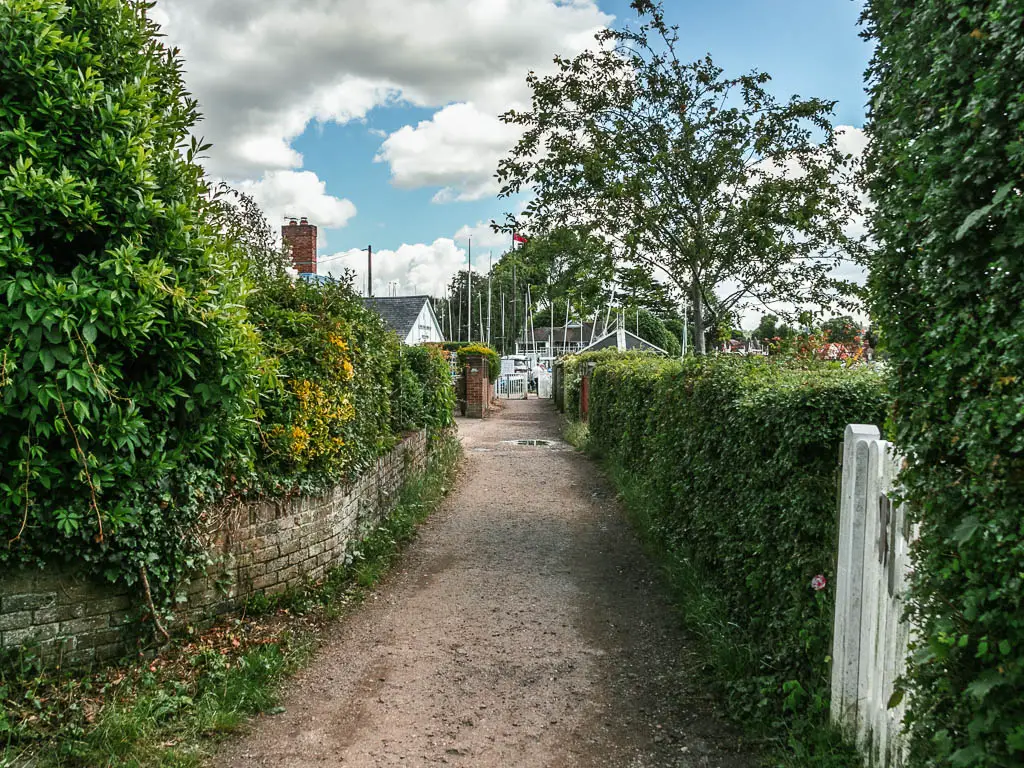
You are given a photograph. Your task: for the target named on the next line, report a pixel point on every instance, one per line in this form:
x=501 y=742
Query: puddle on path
x=528 y=442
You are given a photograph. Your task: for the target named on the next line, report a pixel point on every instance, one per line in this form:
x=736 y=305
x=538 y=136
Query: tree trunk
x=699 y=347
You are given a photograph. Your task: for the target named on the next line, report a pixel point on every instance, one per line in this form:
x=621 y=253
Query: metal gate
x=511 y=386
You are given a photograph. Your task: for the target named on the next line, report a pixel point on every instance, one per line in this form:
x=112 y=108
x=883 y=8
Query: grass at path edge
x=168 y=712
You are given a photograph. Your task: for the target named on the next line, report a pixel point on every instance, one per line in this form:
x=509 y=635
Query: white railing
x=871 y=636
x=510 y=386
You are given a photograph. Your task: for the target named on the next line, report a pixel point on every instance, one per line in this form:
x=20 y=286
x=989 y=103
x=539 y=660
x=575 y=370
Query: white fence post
x=871 y=637
x=849 y=576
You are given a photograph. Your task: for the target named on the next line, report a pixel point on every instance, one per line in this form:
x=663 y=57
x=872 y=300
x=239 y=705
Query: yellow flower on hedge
x=349 y=370
x=317 y=421
x=337 y=341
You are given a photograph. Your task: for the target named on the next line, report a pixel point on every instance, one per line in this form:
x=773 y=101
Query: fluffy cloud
x=484 y=238
x=458 y=149
x=417 y=269
x=264 y=69
x=298 y=193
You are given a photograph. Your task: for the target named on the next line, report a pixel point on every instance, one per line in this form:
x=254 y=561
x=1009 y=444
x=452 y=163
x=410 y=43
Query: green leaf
x=972 y=218
x=1003 y=191
x=89 y=332
x=989 y=679
x=46 y=356
x=967 y=528
x=895 y=699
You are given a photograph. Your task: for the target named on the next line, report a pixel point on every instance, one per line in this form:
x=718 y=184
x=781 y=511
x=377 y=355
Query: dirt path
x=524 y=629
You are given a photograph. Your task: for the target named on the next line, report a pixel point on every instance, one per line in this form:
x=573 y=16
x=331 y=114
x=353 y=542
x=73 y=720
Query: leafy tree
x=769 y=328
x=674 y=326
x=705 y=179
x=945 y=168
x=649 y=327
x=255 y=244
x=128 y=372
x=843 y=329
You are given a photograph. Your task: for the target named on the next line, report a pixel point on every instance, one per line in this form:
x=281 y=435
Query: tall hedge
x=127 y=370
x=738 y=459
x=946 y=164
x=333 y=413
x=140 y=378
x=347 y=386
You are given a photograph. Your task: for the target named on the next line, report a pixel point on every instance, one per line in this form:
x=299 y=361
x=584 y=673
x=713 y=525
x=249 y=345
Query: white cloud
x=418 y=268
x=264 y=69
x=458 y=149
x=298 y=193
x=484 y=238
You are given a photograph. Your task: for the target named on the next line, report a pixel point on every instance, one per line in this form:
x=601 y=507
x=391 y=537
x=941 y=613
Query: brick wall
x=266 y=546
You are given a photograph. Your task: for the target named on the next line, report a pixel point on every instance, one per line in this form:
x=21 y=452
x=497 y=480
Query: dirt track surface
x=524 y=628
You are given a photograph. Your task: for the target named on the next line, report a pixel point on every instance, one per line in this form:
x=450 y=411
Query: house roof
x=399 y=312
x=631 y=341
x=573 y=334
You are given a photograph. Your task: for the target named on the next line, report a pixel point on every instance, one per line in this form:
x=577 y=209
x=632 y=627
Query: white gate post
x=849 y=575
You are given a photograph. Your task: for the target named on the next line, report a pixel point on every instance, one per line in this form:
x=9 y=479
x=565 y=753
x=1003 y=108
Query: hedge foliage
x=575 y=367
x=347 y=385
x=945 y=165
x=150 y=360
x=463 y=349
x=739 y=461
x=128 y=372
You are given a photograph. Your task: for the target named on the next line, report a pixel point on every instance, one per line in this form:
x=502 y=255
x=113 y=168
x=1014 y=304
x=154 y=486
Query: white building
x=411 y=317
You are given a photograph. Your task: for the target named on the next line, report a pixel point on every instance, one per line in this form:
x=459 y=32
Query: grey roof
x=572 y=334
x=633 y=342
x=399 y=312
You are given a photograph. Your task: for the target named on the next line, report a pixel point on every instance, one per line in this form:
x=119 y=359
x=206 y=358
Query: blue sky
x=377 y=118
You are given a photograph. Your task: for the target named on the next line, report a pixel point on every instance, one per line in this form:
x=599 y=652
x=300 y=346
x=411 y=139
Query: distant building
x=624 y=341
x=566 y=340
x=411 y=317
x=743 y=347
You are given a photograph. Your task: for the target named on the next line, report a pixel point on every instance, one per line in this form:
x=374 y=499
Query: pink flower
x=818 y=583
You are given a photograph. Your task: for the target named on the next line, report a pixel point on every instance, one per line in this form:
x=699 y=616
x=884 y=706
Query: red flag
x=517 y=238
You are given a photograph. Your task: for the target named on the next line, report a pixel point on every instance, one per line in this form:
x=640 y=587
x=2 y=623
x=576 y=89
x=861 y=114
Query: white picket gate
x=511 y=386
x=870 y=636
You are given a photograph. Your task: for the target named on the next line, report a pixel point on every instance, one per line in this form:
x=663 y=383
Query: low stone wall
x=265 y=546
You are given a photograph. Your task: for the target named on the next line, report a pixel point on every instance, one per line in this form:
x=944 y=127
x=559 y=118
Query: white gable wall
x=425 y=329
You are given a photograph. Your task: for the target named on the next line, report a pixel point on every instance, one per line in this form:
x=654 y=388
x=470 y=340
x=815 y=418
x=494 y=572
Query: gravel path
x=524 y=628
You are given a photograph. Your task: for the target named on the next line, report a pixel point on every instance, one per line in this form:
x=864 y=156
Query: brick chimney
x=300 y=237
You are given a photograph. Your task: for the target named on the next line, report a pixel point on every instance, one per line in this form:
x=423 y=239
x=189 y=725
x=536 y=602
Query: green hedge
x=334 y=411
x=462 y=349
x=430 y=366
x=575 y=366
x=946 y=163
x=738 y=458
x=148 y=367
x=128 y=373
